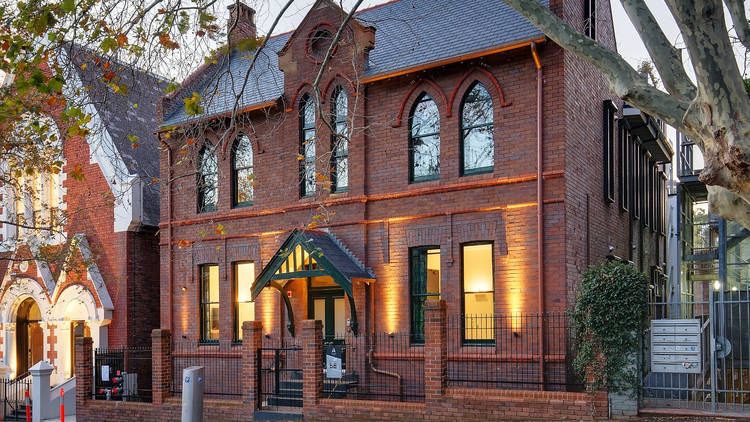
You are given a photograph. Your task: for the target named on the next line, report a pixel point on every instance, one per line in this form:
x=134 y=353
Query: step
x=285 y=401
x=267 y=415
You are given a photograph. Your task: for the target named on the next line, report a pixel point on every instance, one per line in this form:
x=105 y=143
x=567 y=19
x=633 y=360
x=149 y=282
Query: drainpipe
x=169 y=236
x=539 y=207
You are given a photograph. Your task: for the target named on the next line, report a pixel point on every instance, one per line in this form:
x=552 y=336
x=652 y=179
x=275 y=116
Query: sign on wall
x=676 y=346
x=333 y=362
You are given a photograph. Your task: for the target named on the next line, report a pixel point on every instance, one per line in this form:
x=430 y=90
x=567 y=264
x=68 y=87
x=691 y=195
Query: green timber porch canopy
x=312 y=253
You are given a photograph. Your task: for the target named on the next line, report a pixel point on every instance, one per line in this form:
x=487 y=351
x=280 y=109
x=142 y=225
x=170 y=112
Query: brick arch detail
x=481 y=75
x=338 y=77
x=427 y=85
x=248 y=131
x=300 y=90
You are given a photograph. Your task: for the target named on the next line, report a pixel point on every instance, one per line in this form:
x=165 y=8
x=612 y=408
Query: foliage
x=608 y=318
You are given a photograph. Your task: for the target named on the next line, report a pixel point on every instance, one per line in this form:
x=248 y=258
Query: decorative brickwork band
x=435 y=350
x=161 y=364
x=312 y=364
x=84 y=369
x=252 y=336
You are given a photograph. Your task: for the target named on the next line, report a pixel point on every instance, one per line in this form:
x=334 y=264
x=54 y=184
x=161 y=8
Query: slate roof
x=338 y=254
x=122 y=119
x=409 y=33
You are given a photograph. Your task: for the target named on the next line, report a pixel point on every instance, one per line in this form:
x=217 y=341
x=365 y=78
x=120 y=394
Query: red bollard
x=28 y=407
x=62 y=406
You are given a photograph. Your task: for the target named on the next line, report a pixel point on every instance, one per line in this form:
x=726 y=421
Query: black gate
x=280 y=377
x=14 y=397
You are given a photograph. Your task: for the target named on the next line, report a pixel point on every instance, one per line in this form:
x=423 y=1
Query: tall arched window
x=243 y=177
x=477 y=123
x=307 y=146
x=424 y=140
x=208 y=179
x=340 y=142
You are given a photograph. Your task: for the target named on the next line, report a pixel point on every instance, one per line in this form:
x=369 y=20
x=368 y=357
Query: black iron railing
x=522 y=351
x=222 y=368
x=123 y=374
x=374 y=367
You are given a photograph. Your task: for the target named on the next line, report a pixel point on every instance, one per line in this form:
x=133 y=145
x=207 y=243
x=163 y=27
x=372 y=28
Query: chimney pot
x=241 y=23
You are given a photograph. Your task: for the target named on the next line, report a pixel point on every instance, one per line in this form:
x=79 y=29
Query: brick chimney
x=241 y=23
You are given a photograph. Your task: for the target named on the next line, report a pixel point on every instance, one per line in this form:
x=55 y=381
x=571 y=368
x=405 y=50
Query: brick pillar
x=84 y=370
x=161 y=365
x=252 y=336
x=435 y=350
x=312 y=362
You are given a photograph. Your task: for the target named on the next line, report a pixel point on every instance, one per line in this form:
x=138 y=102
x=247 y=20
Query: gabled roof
x=409 y=34
x=121 y=118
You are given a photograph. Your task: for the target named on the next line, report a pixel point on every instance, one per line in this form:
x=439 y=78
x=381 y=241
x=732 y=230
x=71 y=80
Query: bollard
x=28 y=406
x=192 y=394
x=62 y=405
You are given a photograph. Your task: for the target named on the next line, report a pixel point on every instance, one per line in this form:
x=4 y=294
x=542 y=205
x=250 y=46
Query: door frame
x=329 y=294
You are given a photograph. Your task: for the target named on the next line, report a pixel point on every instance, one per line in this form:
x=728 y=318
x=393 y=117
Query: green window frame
x=478 y=292
x=209 y=303
x=477 y=127
x=424 y=140
x=208 y=179
x=243 y=175
x=307 y=147
x=424 y=284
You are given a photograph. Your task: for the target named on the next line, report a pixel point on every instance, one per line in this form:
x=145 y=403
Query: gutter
x=540 y=205
x=170 y=275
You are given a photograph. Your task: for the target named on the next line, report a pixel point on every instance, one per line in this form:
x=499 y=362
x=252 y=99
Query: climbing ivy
x=608 y=319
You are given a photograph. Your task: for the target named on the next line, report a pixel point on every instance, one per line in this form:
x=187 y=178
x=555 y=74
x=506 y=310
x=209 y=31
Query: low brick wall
x=170 y=410
x=469 y=404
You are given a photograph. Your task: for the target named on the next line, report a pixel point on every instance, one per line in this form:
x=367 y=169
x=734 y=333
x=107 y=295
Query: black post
x=276 y=370
x=259 y=378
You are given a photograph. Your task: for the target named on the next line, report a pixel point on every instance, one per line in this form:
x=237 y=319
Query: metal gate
x=280 y=377
x=696 y=354
x=14 y=397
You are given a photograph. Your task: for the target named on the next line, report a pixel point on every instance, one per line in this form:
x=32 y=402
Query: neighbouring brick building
x=455 y=153
x=106 y=215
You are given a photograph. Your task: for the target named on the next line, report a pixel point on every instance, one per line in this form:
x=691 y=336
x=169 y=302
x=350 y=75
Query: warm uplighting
x=717 y=285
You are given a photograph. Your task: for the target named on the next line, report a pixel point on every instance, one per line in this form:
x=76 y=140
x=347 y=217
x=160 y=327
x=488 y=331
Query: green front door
x=329 y=306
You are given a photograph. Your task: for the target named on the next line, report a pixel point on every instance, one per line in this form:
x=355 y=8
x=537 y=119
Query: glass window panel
x=339 y=316
x=425 y=139
x=424 y=280
x=213 y=280
x=433 y=273
x=245 y=275
x=245 y=312
x=319 y=311
x=208 y=179
x=477 y=118
x=243 y=176
x=479 y=320
x=209 y=302
x=340 y=143
x=307 y=147
x=478 y=268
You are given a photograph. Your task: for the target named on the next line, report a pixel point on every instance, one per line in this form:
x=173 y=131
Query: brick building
x=106 y=216
x=454 y=153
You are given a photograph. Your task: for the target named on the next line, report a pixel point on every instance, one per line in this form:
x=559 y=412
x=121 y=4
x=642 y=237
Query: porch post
x=161 y=365
x=252 y=336
x=435 y=350
x=312 y=363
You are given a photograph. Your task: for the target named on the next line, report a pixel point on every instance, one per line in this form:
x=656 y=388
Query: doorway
x=77 y=329
x=329 y=306
x=29 y=336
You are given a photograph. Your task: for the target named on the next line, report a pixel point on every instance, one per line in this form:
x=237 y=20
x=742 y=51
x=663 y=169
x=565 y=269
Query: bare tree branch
x=624 y=81
x=739 y=19
x=666 y=57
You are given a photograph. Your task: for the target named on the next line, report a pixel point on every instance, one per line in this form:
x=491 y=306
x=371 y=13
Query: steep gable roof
x=409 y=34
x=134 y=113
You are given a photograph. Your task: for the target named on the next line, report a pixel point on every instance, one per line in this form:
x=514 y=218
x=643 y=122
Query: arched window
x=424 y=140
x=340 y=142
x=243 y=177
x=307 y=146
x=208 y=179
x=477 y=143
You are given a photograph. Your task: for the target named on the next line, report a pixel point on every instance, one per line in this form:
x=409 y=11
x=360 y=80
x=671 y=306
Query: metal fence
x=522 y=352
x=123 y=374
x=222 y=368
x=13 y=397
x=696 y=355
x=373 y=367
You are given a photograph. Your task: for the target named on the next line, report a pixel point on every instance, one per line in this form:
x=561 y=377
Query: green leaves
x=192 y=105
x=108 y=44
x=68 y=6
x=608 y=320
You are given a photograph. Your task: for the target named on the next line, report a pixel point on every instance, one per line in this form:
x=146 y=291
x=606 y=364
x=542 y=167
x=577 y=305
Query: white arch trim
x=18 y=291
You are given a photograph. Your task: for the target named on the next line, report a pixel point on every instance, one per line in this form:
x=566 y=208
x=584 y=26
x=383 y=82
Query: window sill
x=208 y=343
x=477 y=172
x=243 y=205
x=424 y=179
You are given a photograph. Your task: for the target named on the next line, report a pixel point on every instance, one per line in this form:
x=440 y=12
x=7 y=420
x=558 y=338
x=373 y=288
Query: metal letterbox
x=676 y=346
